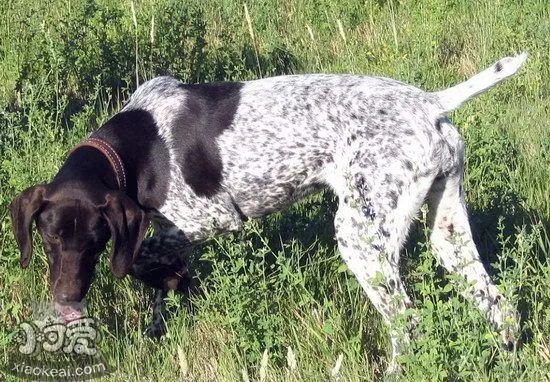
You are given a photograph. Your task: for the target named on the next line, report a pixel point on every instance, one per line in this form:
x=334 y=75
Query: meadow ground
x=66 y=66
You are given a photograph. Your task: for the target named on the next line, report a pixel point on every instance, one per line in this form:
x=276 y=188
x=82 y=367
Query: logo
x=48 y=348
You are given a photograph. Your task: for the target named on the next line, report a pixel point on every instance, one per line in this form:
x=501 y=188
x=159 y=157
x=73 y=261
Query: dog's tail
x=452 y=98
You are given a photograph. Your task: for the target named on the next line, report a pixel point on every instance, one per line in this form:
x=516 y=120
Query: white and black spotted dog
x=199 y=159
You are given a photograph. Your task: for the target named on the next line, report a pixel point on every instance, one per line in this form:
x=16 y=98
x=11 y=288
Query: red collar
x=110 y=153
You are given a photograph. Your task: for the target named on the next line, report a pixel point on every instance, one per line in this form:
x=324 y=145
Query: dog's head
x=75 y=227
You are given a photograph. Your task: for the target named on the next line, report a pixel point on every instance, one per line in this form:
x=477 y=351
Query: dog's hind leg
x=371 y=224
x=454 y=246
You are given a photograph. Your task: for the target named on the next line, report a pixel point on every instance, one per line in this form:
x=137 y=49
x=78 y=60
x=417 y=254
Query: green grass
x=65 y=67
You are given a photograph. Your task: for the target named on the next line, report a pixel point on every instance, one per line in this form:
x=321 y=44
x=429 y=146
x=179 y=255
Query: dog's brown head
x=75 y=227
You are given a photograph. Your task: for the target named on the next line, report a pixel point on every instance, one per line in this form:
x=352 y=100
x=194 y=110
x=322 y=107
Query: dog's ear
x=23 y=211
x=128 y=224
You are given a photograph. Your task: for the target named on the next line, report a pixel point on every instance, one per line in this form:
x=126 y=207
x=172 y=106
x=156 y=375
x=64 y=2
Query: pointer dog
x=198 y=160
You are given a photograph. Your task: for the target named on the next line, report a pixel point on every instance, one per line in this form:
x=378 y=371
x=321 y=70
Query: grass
x=276 y=302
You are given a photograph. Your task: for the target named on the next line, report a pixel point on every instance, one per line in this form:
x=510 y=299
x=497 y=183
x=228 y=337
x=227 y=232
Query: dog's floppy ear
x=128 y=224
x=23 y=211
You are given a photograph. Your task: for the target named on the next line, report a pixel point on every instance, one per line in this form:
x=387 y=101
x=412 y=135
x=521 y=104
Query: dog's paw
x=510 y=332
x=155 y=330
x=506 y=319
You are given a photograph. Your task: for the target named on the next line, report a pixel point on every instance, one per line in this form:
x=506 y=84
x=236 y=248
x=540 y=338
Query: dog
x=198 y=160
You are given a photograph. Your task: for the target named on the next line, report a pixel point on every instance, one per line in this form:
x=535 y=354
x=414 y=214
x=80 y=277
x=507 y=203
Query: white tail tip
x=508 y=66
x=452 y=98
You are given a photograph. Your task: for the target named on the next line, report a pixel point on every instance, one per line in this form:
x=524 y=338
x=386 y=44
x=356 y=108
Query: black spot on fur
x=408 y=165
x=377 y=247
x=368 y=210
x=498 y=67
x=441 y=176
x=451 y=229
x=393 y=199
x=399 y=184
x=359 y=181
x=342 y=242
x=209 y=110
x=134 y=136
x=391 y=285
x=384 y=232
x=438 y=124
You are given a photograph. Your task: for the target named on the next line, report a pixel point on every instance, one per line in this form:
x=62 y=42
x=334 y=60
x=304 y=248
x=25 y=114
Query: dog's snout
x=63 y=297
x=68 y=297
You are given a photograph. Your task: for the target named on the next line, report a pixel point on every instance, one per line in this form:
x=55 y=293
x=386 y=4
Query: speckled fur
x=382 y=146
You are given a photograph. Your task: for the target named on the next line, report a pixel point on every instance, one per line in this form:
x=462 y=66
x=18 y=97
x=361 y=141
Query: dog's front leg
x=161 y=265
x=157 y=327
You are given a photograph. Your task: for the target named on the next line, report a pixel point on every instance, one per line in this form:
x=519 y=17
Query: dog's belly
x=259 y=196
x=275 y=179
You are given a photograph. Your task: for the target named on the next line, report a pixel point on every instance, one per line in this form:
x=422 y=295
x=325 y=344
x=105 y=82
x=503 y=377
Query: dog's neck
x=88 y=166
x=112 y=156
